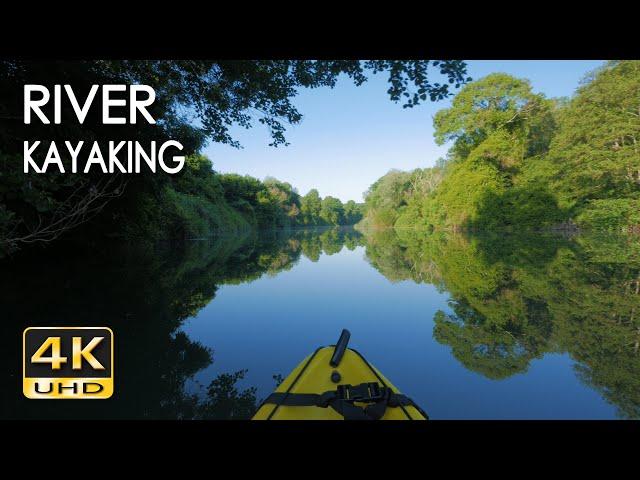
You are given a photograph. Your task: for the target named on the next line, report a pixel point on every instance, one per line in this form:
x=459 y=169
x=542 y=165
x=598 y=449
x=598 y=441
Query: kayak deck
x=315 y=375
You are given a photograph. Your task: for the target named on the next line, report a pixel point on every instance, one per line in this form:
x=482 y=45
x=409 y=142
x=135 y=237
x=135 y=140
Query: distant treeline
x=201 y=202
x=520 y=160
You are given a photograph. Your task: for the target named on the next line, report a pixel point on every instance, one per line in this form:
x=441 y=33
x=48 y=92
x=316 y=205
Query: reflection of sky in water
x=268 y=326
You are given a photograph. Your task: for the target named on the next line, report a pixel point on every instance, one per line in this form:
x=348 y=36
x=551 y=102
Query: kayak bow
x=337 y=383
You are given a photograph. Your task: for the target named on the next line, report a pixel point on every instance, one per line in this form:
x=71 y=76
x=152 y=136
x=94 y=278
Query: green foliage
x=191 y=205
x=457 y=201
x=199 y=203
x=518 y=207
x=596 y=149
x=352 y=212
x=274 y=204
x=387 y=195
x=310 y=206
x=332 y=211
x=610 y=214
x=495 y=102
x=216 y=95
x=521 y=161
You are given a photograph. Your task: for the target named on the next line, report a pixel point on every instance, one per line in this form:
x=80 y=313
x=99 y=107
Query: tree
x=265 y=204
x=332 y=211
x=499 y=129
x=596 y=151
x=495 y=102
x=285 y=199
x=385 y=197
x=310 y=206
x=352 y=212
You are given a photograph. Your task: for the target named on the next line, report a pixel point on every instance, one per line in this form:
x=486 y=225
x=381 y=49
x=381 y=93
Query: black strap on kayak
x=342 y=400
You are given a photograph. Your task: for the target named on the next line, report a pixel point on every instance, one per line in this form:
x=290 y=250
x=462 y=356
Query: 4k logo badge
x=67 y=362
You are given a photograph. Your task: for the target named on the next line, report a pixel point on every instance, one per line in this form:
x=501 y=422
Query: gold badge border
x=26 y=382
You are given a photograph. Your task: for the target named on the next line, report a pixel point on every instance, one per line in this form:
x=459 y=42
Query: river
x=534 y=326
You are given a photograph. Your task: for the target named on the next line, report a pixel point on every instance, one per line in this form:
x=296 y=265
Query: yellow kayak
x=337 y=383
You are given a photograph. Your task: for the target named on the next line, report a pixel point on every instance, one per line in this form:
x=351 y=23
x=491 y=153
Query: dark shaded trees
x=196 y=101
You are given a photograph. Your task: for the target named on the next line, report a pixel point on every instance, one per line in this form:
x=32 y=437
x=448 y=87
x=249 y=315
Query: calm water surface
x=471 y=327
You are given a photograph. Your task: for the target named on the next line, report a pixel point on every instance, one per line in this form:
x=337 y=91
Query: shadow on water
x=516 y=298
x=144 y=296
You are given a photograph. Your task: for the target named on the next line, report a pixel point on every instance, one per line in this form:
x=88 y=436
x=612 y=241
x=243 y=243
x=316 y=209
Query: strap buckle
x=365 y=392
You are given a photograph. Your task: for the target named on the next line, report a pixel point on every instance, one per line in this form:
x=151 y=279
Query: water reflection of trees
x=513 y=299
x=145 y=296
x=516 y=298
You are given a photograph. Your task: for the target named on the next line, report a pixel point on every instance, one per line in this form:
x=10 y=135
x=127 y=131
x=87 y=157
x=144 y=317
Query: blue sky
x=350 y=136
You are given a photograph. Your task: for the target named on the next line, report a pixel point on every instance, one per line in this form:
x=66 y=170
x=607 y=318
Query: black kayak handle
x=341 y=347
